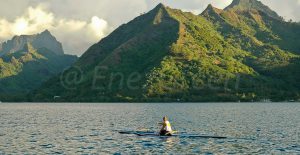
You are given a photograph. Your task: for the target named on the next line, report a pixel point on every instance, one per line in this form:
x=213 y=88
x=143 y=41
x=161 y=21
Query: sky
x=78 y=24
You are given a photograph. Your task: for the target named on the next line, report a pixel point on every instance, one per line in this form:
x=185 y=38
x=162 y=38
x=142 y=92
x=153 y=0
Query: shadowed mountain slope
x=26 y=69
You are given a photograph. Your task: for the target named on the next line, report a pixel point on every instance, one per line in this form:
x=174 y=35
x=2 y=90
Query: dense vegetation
x=25 y=70
x=241 y=53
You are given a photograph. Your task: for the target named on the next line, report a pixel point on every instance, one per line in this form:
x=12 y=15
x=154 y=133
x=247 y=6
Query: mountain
x=235 y=54
x=26 y=69
x=254 y=25
x=253 y=5
x=44 y=39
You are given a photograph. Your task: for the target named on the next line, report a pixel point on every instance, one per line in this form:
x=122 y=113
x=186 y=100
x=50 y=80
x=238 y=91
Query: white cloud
x=76 y=35
x=70 y=25
x=98 y=26
x=33 y=21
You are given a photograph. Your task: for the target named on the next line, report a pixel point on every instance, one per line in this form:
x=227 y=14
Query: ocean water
x=251 y=128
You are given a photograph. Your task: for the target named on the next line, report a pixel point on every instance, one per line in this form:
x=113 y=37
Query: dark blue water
x=252 y=128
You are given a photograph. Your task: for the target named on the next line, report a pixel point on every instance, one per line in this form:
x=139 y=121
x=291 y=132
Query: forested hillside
x=245 y=52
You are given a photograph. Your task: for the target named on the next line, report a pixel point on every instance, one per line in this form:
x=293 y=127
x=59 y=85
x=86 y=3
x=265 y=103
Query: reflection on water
x=89 y=128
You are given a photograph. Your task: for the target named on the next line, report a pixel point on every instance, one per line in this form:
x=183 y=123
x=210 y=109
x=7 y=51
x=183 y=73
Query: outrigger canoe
x=180 y=135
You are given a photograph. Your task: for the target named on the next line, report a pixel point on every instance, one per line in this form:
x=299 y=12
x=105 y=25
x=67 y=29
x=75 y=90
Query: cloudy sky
x=80 y=23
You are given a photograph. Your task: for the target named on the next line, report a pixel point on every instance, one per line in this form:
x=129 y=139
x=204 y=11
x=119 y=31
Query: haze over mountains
x=28 y=60
x=245 y=52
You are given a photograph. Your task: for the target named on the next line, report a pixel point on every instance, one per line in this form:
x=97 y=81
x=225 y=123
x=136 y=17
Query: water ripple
x=91 y=128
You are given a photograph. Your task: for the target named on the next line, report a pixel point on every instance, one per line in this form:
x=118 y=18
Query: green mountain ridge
x=25 y=70
x=169 y=55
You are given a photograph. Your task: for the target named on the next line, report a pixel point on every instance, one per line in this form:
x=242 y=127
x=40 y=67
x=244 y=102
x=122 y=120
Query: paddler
x=166 y=129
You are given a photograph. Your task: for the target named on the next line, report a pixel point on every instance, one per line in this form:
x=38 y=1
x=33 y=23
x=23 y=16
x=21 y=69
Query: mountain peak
x=42 y=40
x=46 y=32
x=245 y=1
x=246 y=4
x=252 y=5
x=211 y=9
x=160 y=5
x=159 y=13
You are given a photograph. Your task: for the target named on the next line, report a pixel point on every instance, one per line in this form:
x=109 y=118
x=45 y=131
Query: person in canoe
x=166 y=129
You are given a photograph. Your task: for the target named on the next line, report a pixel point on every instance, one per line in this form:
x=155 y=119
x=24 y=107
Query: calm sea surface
x=252 y=128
